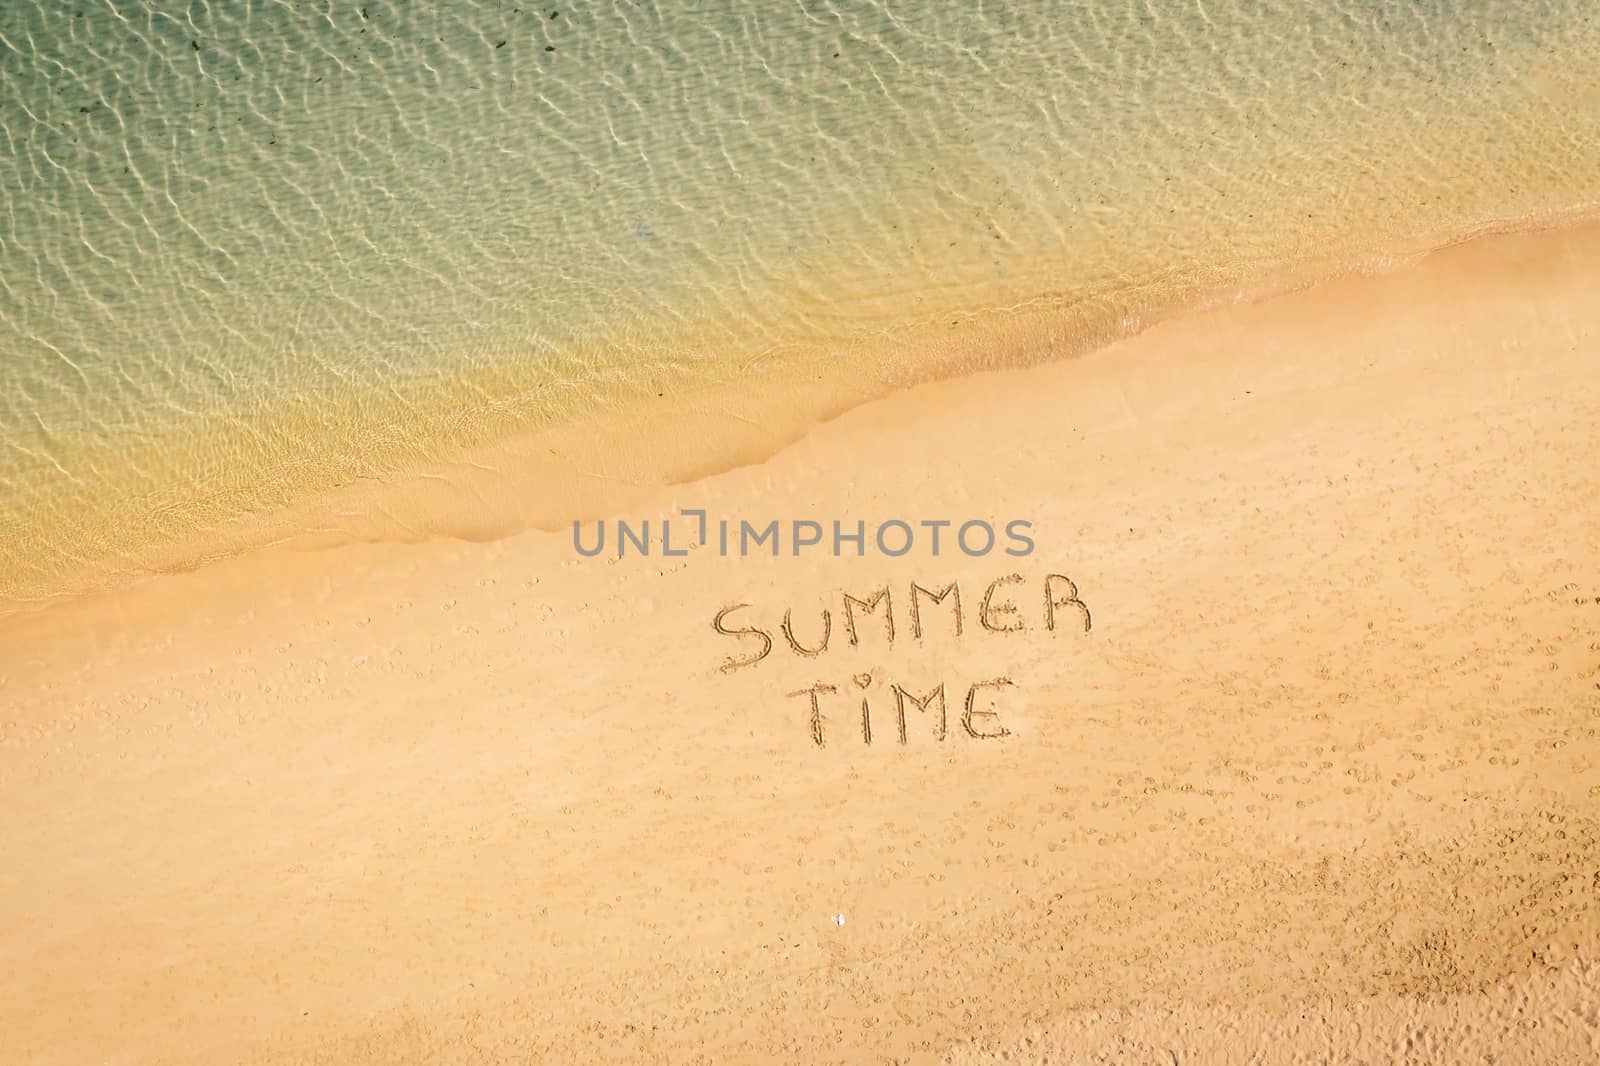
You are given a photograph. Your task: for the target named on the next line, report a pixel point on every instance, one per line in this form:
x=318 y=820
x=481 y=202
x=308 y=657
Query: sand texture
x=1319 y=781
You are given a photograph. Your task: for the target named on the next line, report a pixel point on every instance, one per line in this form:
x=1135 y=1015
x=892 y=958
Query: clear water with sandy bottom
x=254 y=251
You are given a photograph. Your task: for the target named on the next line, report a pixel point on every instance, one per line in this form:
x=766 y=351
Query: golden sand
x=1323 y=770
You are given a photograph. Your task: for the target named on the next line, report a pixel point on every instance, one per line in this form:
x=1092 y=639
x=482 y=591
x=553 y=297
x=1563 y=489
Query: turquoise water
x=254 y=250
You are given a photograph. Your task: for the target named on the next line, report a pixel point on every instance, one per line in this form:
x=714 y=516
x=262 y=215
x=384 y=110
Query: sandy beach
x=1308 y=770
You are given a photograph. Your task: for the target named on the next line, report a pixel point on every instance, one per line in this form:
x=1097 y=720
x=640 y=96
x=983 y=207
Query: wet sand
x=1322 y=769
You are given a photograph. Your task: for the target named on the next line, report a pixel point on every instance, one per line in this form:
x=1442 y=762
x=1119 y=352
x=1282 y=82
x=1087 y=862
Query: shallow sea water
x=254 y=250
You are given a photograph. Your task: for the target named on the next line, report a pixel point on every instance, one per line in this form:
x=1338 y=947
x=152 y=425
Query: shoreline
x=613 y=458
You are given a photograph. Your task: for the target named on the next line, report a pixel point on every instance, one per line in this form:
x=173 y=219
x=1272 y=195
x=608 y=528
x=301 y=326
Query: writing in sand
x=999 y=610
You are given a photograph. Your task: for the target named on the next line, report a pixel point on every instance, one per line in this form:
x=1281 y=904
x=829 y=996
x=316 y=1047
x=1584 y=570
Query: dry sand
x=1319 y=785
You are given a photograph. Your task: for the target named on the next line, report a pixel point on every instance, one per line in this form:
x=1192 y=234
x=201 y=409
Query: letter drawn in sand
x=1052 y=601
x=732 y=662
x=862 y=681
x=816 y=709
x=929 y=696
x=900 y=698
x=972 y=710
x=809 y=653
x=986 y=611
x=951 y=589
x=881 y=596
